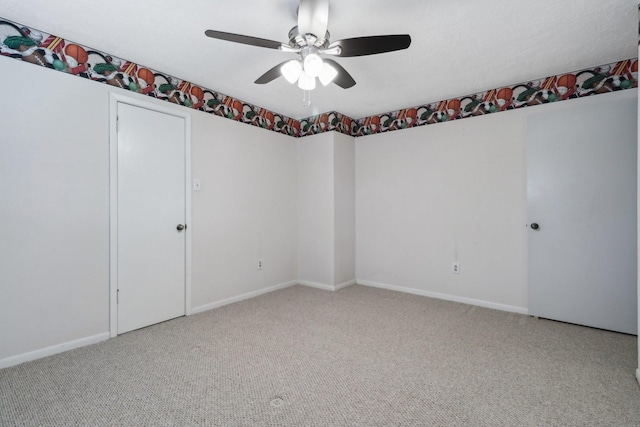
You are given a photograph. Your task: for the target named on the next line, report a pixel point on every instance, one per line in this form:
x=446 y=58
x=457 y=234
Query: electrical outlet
x=455 y=268
x=259 y=263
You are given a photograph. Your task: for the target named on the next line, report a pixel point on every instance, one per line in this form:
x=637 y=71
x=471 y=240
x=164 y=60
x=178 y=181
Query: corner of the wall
x=316 y=285
x=638 y=375
x=344 y=285
x=326 y=287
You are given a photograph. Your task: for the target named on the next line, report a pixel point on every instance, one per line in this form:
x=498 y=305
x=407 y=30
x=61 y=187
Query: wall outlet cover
x=455 y=268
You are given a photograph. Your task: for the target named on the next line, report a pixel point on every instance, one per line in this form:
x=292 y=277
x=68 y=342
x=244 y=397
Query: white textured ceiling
x=459 y=47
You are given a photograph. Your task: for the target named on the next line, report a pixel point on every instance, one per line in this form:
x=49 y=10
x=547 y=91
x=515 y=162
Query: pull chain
x=306 y=98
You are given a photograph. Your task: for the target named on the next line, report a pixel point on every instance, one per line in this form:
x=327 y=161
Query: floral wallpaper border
x=47 y=50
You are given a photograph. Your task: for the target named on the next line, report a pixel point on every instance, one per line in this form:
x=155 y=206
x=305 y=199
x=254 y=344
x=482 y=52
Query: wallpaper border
x=53 y=52
x=590 y=81
x=47 y=50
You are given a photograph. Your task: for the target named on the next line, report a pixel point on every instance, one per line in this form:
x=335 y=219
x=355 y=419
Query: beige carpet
x=357 y=357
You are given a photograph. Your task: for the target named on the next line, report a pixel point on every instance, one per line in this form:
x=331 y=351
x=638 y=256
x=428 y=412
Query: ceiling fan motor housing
x=300 y=40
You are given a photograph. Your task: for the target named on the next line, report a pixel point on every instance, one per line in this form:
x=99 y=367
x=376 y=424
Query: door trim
x=114 y=100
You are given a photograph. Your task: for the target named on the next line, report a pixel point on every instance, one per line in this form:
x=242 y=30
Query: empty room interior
x=304 y=212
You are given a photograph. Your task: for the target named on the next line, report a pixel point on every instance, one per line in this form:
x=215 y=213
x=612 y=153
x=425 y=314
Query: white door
x=582 y=194
x=151 y=207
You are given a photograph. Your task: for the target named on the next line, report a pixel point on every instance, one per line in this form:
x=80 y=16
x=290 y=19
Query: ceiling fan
x=310 y=39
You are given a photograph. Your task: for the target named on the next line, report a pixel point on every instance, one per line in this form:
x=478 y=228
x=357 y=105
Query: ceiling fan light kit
x=313 y=18
x=306 y=82
x=291 y=70
x=328 y=74
x=312 y=64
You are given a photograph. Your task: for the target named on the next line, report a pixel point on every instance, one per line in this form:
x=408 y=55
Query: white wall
x=424 y=198
x=344 y=188
x=455 y=191
x=315 y=210
x=54 y=242
x=326 y=208
x=245 y=210
x=54 y=204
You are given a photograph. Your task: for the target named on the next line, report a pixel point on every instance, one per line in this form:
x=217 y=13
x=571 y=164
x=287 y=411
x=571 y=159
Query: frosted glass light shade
x=306 y=82
x=291 y=71
x=313 y=65
x=328 y=74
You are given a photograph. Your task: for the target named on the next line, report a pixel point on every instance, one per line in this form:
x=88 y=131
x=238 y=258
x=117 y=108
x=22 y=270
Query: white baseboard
x=241 y=297
x=481 y=303
x=326 y=287
x=54 y=349
x=59 y=348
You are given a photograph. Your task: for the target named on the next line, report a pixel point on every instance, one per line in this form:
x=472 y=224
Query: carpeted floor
x=357 y=357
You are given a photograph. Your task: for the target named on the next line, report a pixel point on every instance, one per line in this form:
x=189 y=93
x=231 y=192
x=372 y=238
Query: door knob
x=181 y=227
x=534 y=226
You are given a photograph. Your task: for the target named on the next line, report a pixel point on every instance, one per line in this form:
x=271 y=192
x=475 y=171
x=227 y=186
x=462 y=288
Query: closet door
x=151 y=240
x=581 y=173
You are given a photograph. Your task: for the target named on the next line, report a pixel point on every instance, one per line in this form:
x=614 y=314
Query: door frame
x=114 y=100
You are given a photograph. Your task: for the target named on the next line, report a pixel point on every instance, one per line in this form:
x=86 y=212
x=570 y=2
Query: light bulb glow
x=313 y=65
x=291 y=71
x=306 y=82
x=328 y=74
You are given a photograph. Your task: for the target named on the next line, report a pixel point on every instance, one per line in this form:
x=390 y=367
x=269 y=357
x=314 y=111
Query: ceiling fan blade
x=371 y=45
x=343 y=79
x=313 y=17
x=271 y=75
x=238 y=38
